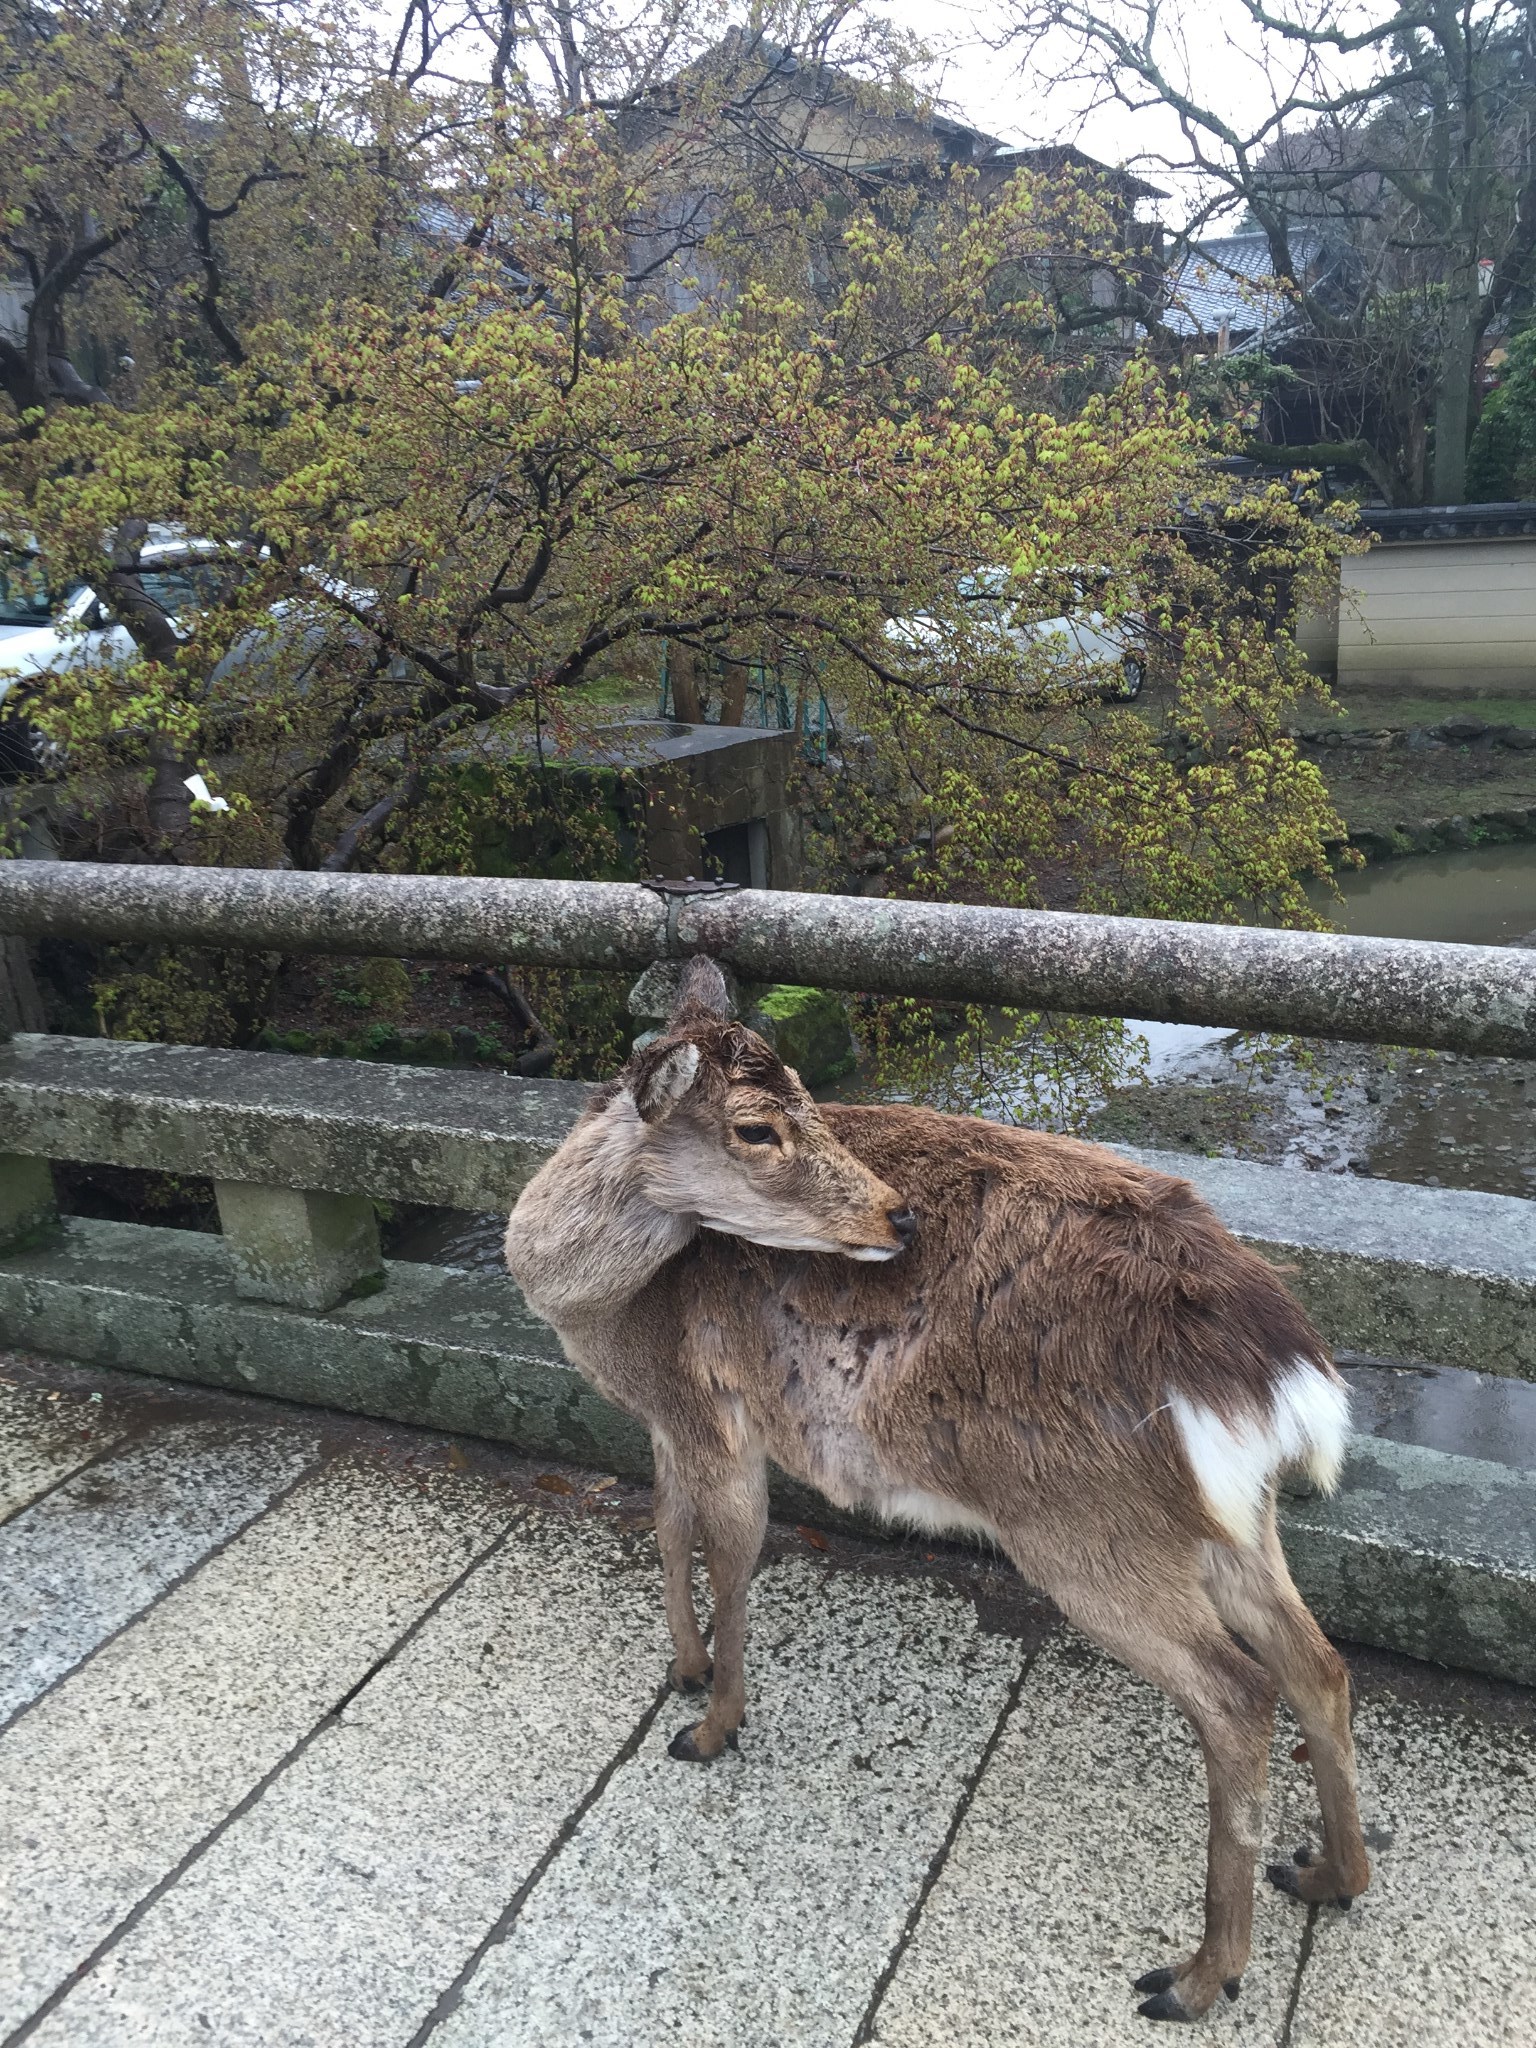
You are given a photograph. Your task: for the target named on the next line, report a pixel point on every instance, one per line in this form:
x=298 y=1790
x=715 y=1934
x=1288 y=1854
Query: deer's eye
x=756 y=1134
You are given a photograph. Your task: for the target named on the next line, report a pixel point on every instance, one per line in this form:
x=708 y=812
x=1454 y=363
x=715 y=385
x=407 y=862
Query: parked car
x=43 y=629
x=1079 y=650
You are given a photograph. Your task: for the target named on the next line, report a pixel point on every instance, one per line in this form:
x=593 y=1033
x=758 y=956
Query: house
x=1224 y=296
x=776 y=116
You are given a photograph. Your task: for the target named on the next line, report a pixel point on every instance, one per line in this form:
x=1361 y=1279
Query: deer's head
x=733 y=1139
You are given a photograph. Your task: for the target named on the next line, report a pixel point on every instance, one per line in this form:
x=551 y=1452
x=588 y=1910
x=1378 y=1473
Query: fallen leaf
x=812 y=1536
x=601 y=1485
x=552 y=1482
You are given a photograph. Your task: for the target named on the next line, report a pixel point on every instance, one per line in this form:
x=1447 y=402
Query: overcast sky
x=988 y=87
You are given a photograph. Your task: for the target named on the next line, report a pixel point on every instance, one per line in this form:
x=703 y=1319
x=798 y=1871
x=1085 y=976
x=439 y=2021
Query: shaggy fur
x=1071 y=1356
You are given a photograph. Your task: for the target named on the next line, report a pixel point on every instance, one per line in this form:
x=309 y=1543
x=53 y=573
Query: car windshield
x=186 y=587
x=25 y=599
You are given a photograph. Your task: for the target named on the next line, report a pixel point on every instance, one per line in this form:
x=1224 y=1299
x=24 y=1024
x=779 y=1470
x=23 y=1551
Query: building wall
x=1430 y=612
x=1455 y=616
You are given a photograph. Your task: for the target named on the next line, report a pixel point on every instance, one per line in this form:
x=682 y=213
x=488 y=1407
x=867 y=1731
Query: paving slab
x=1441 y=1951
x=755 y=1901
x=109 y=1784
x=83 y=1560
x=44 y=1438
x=335 y=1909
x=1079 y=1865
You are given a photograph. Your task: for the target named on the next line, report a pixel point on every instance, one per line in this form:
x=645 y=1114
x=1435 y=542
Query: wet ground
x=1440 y=1120
x=320 y=1731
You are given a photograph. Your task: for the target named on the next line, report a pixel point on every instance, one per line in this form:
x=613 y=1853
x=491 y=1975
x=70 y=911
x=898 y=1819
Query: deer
x=971 y=1329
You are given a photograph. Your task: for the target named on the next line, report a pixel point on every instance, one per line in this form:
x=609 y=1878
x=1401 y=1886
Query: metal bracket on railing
x=676 y=894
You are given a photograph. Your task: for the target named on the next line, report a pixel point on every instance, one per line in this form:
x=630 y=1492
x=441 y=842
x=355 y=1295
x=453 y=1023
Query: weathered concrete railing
x=1389 y=991
x=1422 y=1551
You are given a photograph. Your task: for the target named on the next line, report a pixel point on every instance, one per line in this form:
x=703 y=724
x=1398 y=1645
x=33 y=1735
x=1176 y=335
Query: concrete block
x=1426 y=1553
x=1080 y=1863
x=27 y=1201
x=761 y=1897
x=439 y=1347
x=398 y=1133
x=1449 y=1802
x=336 y=1908
x=78 y=1564
x=116 y=1778
x=42 y=1442
x=297 y=1247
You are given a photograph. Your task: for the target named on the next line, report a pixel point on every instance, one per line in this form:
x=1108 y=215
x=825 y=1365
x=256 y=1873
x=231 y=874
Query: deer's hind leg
x=1255 y=1595
x=1152 y=1613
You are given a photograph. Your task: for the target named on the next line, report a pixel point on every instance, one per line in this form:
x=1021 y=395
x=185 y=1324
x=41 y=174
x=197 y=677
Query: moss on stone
x=808 y=1028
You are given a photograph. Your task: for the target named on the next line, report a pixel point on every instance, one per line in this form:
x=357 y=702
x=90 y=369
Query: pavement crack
x=866 y=2027
x=450 y=1999
x=106 y=1450
x=258 y=1791
x=217 y=1549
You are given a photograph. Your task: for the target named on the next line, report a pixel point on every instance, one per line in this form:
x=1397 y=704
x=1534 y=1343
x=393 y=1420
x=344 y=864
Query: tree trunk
x=21 y=1007
x=733 y=695
x=682 y=668
x=170 y=801
x=1453 y=404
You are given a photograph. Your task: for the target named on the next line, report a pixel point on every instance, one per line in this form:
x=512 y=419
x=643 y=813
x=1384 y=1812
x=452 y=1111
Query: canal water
x=1483 y=897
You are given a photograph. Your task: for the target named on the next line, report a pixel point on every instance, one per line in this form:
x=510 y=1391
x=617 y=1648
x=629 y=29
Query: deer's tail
x=1236 y=1458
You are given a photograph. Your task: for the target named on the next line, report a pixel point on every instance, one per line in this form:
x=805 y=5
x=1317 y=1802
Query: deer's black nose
x=903 y=1222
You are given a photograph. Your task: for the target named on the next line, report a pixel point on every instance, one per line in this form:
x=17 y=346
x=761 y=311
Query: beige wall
x=1427 y=614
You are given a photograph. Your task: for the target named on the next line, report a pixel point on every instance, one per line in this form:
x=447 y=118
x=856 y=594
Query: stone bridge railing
x=1422 y=1551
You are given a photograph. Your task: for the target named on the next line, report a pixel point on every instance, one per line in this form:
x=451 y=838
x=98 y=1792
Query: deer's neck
x=585 y=1237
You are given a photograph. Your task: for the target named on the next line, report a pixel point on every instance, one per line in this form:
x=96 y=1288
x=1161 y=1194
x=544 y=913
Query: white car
x=1083 y=651
x=42 y=630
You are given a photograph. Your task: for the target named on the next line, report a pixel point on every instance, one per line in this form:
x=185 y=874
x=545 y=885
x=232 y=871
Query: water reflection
x=1484 y=897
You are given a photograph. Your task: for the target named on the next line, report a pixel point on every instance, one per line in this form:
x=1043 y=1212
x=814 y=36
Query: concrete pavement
x=327 y=1734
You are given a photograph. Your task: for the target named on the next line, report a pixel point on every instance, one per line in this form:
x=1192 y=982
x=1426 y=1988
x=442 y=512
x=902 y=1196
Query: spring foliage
x=385 y=350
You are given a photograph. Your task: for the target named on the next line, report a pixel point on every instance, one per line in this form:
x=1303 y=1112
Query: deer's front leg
x=690 y=1669
x=731 y=1512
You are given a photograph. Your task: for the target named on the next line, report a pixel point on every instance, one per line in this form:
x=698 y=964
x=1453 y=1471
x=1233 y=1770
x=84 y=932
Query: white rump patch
x=1235 y=1463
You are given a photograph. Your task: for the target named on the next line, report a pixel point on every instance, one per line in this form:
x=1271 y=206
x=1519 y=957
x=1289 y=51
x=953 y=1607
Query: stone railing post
x=27 y=1198
x=299 y=1248
x=27 y=1201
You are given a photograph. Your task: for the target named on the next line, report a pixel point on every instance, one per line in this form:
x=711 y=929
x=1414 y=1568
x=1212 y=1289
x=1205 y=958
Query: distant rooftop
x=1229 y=282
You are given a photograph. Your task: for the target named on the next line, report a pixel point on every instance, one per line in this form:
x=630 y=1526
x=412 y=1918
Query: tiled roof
x=1231 y=278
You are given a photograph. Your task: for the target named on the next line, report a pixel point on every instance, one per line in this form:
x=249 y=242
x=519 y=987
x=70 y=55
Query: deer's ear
x=659 y=1088
x=702 y=987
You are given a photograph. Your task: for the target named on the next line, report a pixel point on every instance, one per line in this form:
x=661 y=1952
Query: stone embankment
x=1454 y=830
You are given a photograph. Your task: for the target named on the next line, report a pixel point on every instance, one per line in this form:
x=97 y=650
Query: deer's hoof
x=688 y=1749
x=1314 y=1883
x=682 y=1681
x=1179 y=1992
x=1157 y=1980
x=1167 y=2005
